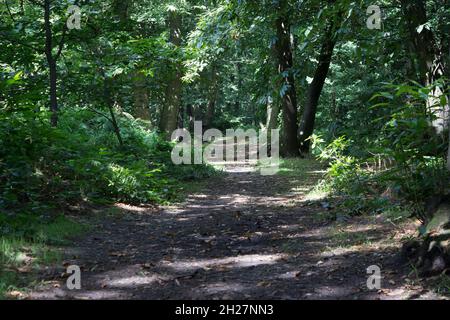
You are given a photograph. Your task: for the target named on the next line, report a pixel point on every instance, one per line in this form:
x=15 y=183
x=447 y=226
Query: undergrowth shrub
x=408 y=139
x=43 y=167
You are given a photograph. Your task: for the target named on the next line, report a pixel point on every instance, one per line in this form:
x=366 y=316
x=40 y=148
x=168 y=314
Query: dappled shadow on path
x=246 y=236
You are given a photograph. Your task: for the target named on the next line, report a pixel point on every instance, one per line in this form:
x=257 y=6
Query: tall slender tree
x=284 y=55
x=52 y=59
x=315 y=89
x=169 y=113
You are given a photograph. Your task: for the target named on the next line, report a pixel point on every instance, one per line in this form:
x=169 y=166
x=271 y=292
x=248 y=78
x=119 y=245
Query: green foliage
x=123 y=63
x=418 y=149
x=44 y=169
x=26 y=243
x=344 y=173
x=407 y=140
x=81 y=161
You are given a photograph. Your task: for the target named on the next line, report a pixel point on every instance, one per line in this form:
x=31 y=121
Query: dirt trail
x=246 y=236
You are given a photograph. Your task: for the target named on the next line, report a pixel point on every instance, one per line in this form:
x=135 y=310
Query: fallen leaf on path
x=117 y=254
x=16 y=294
x=264 y=284
x=148 y=265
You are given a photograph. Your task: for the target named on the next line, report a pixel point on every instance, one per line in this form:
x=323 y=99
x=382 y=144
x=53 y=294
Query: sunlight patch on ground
x=232 y=262
x=174 y=211
x=289 y=227
x=318 y=172
x=332 y=292
x=128 y=207
x=99 y=295
x=133 y=281
x=239 y=199
x=300 y=189
x=239 y=169
x=223 y=287
x=315 y=195
x=199 y=196
x=366 y=246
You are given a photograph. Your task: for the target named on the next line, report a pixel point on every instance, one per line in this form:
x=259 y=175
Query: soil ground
x=245 y=236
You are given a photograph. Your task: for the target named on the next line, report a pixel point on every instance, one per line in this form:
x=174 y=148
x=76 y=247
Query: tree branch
x=9 y=11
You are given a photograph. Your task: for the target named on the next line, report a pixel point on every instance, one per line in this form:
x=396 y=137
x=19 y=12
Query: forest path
x=245 y=236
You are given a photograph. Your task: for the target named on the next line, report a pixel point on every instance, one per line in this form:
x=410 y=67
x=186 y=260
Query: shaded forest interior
x=91 y=93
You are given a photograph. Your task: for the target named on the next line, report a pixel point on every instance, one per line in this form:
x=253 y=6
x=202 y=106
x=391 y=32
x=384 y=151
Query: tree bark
x=237 y=102
x=141 y=98
x=315 y=90
x=110 y=104
x=172 y=104
x=283 y=49
x=53 y=77
x=121 y=10
x=430 y=60
x=212 y=100
x=273 y=110
x=190 y=116
x=424 y=43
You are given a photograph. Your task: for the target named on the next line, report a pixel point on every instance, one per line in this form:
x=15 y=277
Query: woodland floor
x=244 y=236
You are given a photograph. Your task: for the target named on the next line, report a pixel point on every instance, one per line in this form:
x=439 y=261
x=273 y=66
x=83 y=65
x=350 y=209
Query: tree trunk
x=315 y=89
x=53 y=77
x=121 y=10
x=237 y=102
x=423 y=42
x=213 y=92
x=141 y=98
x=181 y=114
x=430 y=60
x=431 y=256
x=283 y=49
x=173 y=91
x=448 y=151
x=190 y=116
x=273 y=110
x=110 y=104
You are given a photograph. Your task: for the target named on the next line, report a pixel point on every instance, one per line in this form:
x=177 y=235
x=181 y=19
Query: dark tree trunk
x=212 y=100
x=432 y=256
x=110 y=104
x=315 y=90
x=53 y=93
x=51 y=65
x=190 y=116
x=141 y=97
x=172 y=104
x=283 y=49
x=210 y=110
x=180 y=123
x=237 y=102
x=273 y=110
x=430 y=60
x=426 y=51
x=121 y=10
